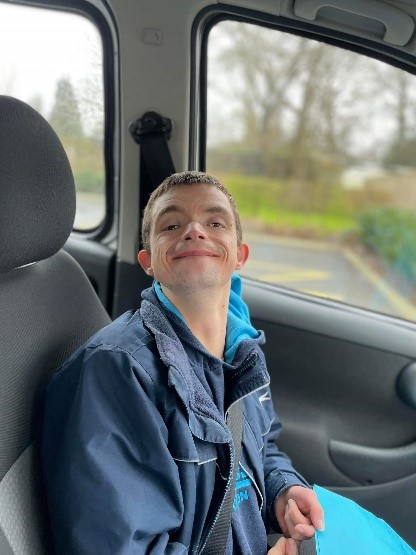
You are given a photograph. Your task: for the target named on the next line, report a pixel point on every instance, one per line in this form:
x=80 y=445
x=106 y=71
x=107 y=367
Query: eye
x=171 y=227
x=216 y=224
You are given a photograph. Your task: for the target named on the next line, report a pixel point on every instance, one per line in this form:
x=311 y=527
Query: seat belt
x=152 y=132
x=218 y=535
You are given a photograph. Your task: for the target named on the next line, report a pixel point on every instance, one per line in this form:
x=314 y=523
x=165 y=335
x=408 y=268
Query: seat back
x=48 y=308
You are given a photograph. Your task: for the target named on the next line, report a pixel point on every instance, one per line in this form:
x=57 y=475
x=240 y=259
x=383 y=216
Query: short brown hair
x=185 y=178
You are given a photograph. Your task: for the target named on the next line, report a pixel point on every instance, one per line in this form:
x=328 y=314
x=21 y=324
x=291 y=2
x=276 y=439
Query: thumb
x=284 y=547
x=279 y=548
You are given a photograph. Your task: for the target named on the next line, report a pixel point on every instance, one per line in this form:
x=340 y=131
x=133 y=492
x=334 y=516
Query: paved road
x=90 y=210
x=325 y=270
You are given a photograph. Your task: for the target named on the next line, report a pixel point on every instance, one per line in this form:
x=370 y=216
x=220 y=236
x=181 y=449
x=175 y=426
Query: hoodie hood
x=238 y=320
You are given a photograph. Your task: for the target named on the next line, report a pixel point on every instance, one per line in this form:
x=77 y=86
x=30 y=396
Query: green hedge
x=264 y=199
x=391 y=234
x=89 y=181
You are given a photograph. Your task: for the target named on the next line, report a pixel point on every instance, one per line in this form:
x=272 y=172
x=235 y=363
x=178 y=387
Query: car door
x=334 y=296
x=342 y=384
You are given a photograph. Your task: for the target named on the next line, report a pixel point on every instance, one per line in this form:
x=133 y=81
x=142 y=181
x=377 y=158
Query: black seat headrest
x=37 y=191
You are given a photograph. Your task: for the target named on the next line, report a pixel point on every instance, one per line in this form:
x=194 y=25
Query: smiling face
x=193 y=239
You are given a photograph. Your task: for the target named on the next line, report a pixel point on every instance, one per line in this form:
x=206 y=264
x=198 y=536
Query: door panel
x=334 y=373
x=369 y=465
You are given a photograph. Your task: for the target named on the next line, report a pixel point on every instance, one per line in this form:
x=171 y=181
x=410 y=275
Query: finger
x=317 y=515
x=282 y=524
x=292 y=547
x=306 y=531
x=280 y=516
x=295 y=514
x=302 y=524
x=296 y=535
x=308 y=504
x=279 y=548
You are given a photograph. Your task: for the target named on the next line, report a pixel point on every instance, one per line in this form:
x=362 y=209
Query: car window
x=53 y=61
x=317 y=144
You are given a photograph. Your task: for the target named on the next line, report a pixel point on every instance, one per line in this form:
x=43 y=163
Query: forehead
x=192 y=197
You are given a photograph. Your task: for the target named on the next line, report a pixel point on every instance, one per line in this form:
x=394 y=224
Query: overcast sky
x=39 y=46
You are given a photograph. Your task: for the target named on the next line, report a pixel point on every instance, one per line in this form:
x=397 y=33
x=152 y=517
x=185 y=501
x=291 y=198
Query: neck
x=205 y=314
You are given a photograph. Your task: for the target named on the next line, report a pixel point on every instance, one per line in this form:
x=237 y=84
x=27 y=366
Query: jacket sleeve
x=279 y=473
x=112 y=485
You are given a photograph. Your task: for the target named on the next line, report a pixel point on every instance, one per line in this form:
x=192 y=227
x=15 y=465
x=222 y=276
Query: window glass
x=53 y=61
x=317 y=145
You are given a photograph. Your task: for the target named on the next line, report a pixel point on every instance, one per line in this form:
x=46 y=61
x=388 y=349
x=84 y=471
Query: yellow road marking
x=290 y=277
x=308 y=244
x=284 y=273
x=333 y=296
x=281 y=273
x=401 y=304
x=268 y=265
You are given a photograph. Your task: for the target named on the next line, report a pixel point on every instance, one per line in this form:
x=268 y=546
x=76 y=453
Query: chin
x=204 y=281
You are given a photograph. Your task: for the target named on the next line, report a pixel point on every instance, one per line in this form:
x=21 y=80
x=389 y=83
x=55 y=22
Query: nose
x=194 y=231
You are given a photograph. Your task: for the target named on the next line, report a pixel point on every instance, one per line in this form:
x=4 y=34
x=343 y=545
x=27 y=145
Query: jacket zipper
x=227 y=487
x=248 y=363
x=255 y=485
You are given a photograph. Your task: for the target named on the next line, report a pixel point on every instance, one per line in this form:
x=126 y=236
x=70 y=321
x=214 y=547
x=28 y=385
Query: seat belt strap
x=152 y=132
x=218 y=535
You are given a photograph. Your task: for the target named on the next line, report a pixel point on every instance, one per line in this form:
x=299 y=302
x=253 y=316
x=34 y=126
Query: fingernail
x=320 y=525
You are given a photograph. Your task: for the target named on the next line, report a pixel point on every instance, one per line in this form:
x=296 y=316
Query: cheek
x=159 y=250
x=232 y=248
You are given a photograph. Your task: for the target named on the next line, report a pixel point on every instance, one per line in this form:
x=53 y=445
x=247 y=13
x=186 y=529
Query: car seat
x=48 y=308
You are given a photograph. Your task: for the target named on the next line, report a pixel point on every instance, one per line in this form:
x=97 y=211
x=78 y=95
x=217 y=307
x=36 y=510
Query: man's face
x=193 y=239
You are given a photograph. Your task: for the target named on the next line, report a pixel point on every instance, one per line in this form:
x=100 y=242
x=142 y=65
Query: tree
x=400 y=103
x=65 y=116
x=91 y=91
x=289 y=92
x=264 y=71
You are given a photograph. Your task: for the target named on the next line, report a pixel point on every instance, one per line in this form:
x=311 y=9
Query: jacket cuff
x=277 y=483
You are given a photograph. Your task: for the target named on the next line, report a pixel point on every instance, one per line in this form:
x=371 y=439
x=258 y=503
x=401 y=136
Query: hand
x=284 y=547
x=299 y=513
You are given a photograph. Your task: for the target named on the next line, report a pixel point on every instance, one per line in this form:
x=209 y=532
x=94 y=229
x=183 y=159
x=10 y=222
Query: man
x=136 y=448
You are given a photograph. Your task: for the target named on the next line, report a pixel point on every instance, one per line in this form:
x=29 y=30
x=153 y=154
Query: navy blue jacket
x=132 y=439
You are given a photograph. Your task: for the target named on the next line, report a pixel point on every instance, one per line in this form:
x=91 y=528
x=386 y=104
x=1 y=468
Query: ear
x=242 y=255
x=145 y=261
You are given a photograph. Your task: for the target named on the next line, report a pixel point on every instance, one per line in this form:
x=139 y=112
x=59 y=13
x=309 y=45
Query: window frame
x=105 y=24
x=212 y=15
x=205 y=20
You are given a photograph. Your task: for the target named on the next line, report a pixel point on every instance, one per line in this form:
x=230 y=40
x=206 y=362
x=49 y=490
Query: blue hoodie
x=238 y=321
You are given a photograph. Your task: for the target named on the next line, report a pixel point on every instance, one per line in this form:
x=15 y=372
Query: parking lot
x=326 y=270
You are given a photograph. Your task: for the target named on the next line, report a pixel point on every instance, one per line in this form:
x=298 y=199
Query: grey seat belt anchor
x=151 y=123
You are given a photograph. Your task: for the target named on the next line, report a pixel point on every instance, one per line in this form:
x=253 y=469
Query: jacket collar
x=247 y=373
